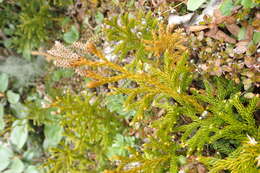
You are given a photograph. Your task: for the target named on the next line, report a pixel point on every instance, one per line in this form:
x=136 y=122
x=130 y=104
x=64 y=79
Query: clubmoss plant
x=199 y=115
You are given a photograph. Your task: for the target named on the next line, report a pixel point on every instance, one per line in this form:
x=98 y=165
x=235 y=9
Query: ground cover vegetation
x=129 y=86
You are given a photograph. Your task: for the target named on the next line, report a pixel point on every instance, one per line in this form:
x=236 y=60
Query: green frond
x=128 y=31
x=242 y=160
x=89 y=130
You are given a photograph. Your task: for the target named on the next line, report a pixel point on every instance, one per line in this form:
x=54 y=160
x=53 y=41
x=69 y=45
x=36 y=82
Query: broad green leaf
x=53 y=135
x=19 y=133
x=182 y=160
x=237 y=2
x=256 y=37
x=119 y=146
x=65 y=21
x=226 y=7
x=194 y=4
x=2 y=122
x=31 y=169
x=5 y=157
x=247 y=3
x=115 y=103
x=19 y=110
x=8 y=43
x=72 y=35
x=12 y=97
x=99 y=17
x=242 y=34
x=62 y=73
x=1 y=110
x=32 y=152
x=17 y=166
x=3 y=82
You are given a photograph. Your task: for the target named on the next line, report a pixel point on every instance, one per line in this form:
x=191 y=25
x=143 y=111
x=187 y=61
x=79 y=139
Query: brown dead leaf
x=2 y=95
x=196 y=28
x=233 y=29
x=249 y=32
x=201 y=168
x=220 y=35
x=230 y=20
x=218 y=17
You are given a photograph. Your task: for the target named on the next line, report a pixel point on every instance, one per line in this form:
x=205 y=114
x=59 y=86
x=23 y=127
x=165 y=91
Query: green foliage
x=224 y=122
x=53 y=135
x=6 y=154
x=227 y=6
x=194 y=4
x=242 y=160
x=224 y=146
x=256 y=37
x=3 y=82
x=2 y=122
x=220 y=120
x=120 y=146
x=21 y=72
x=59 y=74
x=17 y=132
x=16 y=166
x=28 y=24
x=72 y=35
x=88 y=135
x=128 y=31
x=179 y=117
x=12 y=97
x=115 y=103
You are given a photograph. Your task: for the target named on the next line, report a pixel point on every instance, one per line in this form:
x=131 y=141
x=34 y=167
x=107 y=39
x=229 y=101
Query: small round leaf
x=3 y=82
x=5 y=158
x=72 y=35
x=53 y=135
x=17 y=166
x=226 y=7
x=194 y=4
x=19 y=110
x=31 y=169
x=12 y=97
x=19 y=133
